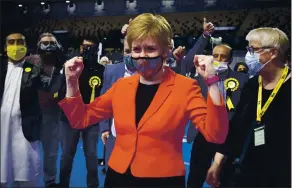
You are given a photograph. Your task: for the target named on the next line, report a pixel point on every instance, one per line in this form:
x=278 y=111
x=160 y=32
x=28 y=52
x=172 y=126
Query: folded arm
x=211 y=119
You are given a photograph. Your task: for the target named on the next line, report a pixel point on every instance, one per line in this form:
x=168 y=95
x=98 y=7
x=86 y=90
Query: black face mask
x=89 y=55
x=48 y=49
x=50 y=54
x=244 y=71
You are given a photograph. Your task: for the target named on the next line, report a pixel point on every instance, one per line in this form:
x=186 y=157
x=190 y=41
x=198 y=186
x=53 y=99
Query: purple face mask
x=148 y=66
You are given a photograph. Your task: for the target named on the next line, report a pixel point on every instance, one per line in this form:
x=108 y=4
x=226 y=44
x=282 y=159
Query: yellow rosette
x=93 y=82
x=231 y=83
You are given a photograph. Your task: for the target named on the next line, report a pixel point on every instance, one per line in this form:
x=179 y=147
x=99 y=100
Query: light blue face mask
x=253 y=63
x=148 y=66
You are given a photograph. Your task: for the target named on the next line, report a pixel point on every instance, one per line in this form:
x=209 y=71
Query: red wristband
x=212 y=80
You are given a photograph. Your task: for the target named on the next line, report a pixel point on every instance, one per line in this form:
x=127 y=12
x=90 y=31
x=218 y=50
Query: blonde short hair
x=149 y=25
x=270 y=37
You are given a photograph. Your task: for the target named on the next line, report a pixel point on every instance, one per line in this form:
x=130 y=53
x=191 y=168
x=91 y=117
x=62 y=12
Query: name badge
x=259 y=136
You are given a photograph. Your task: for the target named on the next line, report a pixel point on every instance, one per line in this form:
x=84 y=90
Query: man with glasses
x=21 y=116
x=49 y=56
x=203 y=152
x=90 y=83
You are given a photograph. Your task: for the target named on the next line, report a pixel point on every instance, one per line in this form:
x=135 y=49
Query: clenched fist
x=73 y=69
x=179 y=53
x=125 y=28
x=208 y=27
x=204 y=66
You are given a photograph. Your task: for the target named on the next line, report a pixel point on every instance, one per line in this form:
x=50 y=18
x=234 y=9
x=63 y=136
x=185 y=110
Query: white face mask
x=220 y=67
x=253 y=63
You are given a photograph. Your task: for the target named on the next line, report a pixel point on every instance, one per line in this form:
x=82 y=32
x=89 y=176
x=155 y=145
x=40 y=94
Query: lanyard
x=260 y=110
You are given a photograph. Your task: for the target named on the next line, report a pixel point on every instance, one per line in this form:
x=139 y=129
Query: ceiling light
x=20 y=5
x=67 y=1
x=42 y=3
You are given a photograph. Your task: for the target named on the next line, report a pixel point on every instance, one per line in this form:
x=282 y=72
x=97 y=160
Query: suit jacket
x=153 y=147
x=112 y=73
x=187 y=63
x=31 y=82
x=235 y=97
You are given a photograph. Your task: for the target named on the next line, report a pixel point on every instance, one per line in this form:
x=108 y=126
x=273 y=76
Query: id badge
x=259 y=136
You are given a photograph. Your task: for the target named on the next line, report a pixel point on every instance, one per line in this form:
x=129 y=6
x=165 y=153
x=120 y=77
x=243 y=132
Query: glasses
x=252 y=50
x=46 y=43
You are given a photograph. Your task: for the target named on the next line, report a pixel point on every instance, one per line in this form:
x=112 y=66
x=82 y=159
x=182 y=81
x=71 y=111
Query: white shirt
x=20 y=159
x=113 y=129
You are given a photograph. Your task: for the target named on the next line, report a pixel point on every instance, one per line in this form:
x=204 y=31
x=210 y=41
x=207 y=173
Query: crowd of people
x=240 y=119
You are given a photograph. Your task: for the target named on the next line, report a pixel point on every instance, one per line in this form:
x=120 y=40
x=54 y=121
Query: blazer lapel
x=27 y=71
x=3 y=77
x=131 y=92
x=162 y=94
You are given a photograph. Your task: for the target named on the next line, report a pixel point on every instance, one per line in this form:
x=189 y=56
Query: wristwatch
x=211 y=80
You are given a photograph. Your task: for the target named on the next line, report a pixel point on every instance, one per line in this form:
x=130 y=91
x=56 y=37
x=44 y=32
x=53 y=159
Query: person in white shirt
x=20 y=116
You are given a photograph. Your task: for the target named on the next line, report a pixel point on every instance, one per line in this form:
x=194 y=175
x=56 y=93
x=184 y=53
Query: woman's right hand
x=73 y=69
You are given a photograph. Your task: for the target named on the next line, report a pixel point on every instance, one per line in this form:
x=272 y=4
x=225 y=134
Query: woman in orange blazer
x=151 y=109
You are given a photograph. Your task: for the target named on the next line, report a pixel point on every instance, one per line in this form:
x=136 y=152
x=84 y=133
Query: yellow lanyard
x=260 y=110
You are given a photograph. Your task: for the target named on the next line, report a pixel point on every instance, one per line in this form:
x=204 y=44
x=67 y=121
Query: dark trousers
x=271 y=175
x=69 y=144
x=50 y=138
x=201 y=157
x=115 y=179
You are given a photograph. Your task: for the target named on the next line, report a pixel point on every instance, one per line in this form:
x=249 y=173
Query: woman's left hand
x=204 y=66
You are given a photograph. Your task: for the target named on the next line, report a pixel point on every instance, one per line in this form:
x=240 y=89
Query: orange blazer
x=154 y=148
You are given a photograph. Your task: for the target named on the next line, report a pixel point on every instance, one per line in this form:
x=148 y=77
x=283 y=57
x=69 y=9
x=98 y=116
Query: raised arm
x=186 y=63
x=211 y=119
x=82 y=115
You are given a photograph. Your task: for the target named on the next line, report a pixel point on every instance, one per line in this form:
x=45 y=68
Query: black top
x=144 y=97
x=268 y=164
x=88 y=73
x=91 y=69
x=86 y=87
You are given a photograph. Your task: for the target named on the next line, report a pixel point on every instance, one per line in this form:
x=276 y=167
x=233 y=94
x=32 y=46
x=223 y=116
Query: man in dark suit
x=21 y=116
x=203 y=152
x=90 y=83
